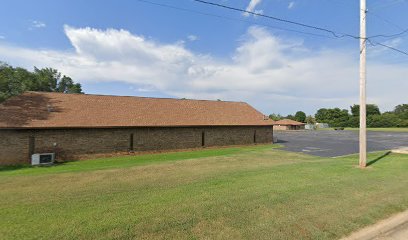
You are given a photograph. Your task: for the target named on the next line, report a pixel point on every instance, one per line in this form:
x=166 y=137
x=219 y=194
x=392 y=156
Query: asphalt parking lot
x=338 y=143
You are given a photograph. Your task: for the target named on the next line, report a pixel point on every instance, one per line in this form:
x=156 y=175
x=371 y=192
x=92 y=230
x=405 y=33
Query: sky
x=186 y=49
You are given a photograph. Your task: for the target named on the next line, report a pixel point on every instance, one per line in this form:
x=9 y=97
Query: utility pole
x=363 y=42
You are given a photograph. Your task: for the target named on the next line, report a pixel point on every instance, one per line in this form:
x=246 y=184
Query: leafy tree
x=300 y=116
x=47 y=79
x=353 y=122
x=335 y=117
x=14 y=81
x=385 y=120
x=310 y=120
x=321 y=115
x=67 y=85
x=401 y=111
x=290 y=116
x=11 y=82
x=371 y=109
x=275 y=117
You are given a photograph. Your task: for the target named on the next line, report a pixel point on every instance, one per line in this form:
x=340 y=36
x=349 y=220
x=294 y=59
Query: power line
x=403 y=31
x=383 y=6
x=335 y=34
x=313 y=27
x=385 y=20
x=390 y=36
x=234 y=19
x=386 y=46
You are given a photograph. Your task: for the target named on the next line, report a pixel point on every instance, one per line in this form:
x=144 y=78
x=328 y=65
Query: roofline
x=102 y=95
x=122 y=127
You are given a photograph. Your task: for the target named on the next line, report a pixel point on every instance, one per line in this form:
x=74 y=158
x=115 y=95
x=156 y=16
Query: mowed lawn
x=371 y=129
x=382 y=129
x=258 y=192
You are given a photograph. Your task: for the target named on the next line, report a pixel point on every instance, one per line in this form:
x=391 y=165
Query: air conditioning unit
x=42 y=158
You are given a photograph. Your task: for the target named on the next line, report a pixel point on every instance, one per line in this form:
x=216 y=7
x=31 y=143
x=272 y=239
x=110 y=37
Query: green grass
x=382 y=129
x=371 y=129
x=234 y=193
x=125 y=161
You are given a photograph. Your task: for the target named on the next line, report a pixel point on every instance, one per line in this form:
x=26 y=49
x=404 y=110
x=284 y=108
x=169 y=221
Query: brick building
x=288 y=124
x=72 y=125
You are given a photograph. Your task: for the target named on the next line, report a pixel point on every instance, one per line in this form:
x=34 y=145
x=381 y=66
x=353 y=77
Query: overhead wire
x=387 y=5
x=333 y=33
x=233 y=19
x=403 y=31
x=373 y=43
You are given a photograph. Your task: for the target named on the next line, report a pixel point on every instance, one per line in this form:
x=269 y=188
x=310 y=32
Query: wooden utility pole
x=363 y=42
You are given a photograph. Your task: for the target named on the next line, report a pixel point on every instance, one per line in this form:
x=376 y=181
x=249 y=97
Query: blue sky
x=192 y=50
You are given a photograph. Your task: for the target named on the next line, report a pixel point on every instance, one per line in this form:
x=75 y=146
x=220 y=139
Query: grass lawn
x=258 y=192
x=382 y=129
x=372 y=129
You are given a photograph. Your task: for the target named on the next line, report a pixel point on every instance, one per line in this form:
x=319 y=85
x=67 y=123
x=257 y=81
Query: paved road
x=338 y=143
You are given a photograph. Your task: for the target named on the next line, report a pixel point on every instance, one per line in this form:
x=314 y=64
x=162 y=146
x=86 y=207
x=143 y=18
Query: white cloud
x=37 y=24
x=291 y=5
x=273 y=74
x=251 y=7
x=192 y=38
x=2 y=37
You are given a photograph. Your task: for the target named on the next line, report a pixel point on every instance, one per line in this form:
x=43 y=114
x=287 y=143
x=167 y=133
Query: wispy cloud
x=192 y=38
x=2 y=37
x=273 y=74
x=37 y=24
x=291 y=5
x=251 y=7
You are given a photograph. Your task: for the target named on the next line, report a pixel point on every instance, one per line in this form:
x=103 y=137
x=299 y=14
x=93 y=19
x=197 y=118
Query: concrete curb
x=383 y=229
x=403 y=150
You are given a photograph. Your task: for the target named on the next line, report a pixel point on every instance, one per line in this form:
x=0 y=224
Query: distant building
x=310 y=126
x=322 y=125
x=71 y=125
x=288 y=124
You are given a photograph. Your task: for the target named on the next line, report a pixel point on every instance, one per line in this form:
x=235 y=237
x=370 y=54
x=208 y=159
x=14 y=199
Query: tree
x=335 y=117
x=47 y=79
x=67 y=85
x=275 y=117
x=14 y=81
x=384 y=120
x=401 y=111
x=310 y=120
x=290 y=116
x=321 y=115
x=300 y=116
x=371 y=109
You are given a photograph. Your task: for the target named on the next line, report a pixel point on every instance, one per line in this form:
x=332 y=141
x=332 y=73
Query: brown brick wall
x=14 y=147
x=14 y=144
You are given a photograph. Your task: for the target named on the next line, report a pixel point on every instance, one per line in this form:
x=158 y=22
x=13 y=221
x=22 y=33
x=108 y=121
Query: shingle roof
x=288 y=122
x=58 y=110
